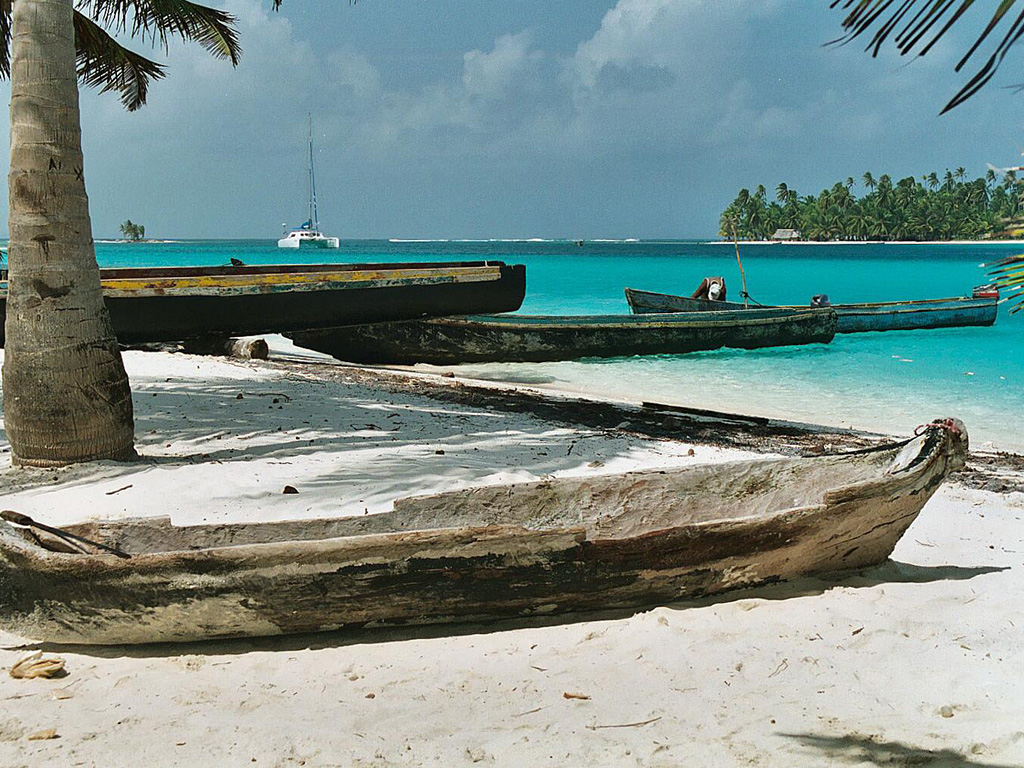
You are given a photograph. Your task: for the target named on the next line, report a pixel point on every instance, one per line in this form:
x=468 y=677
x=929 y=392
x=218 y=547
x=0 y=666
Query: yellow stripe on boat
x=274 y=282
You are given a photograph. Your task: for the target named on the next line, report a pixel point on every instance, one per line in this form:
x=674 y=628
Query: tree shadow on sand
x=282 y=420
x=890 y=572
x=856 y=749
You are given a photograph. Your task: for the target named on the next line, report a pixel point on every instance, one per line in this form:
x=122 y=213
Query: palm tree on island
x=133 y=232
x=66 y=396
x=904 y=210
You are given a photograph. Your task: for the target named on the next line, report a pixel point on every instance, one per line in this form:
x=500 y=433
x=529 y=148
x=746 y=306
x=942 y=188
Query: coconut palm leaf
x=1009 y=274
x=5 y=39
x=158 y=20
x=915 y=26
x=106 y=64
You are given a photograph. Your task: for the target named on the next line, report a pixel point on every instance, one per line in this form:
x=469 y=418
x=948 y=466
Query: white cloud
x=660 y=86
x=490 y=75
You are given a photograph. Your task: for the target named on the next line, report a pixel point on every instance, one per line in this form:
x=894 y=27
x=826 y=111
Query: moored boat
x=978 y=309
x=535 y=338
x=556 y=546
x=308 y=234
x=178 y=303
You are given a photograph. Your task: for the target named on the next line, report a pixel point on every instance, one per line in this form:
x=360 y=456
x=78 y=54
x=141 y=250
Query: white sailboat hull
x=308 y=240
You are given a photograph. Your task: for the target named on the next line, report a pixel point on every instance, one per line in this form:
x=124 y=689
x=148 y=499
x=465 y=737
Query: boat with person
x=157 y=304
x=545 y=338
x=307 y=234
x=978 y=309
x=556 y=546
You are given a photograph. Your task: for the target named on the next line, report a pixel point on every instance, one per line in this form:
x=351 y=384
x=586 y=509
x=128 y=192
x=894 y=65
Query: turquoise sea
x=888 y=381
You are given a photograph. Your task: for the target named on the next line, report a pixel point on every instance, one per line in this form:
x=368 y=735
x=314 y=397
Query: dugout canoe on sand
x=537 y=338
x=564 y=545
x=978 y=309
x=178 y=303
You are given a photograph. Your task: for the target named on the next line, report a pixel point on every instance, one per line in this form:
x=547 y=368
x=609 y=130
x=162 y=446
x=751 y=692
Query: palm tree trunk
x=66 y=397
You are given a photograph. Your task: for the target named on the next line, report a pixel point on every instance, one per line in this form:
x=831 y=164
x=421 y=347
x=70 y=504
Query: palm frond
x=1009 y=274
x=6 y=8
x=156 y=21
x=104 y=63
x=915 y=26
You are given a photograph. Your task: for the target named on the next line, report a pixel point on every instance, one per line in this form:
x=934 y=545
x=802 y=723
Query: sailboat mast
x=310 y=188
x=313 y=213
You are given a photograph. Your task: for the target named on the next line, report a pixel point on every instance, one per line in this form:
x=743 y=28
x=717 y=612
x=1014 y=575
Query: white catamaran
x=307 y=234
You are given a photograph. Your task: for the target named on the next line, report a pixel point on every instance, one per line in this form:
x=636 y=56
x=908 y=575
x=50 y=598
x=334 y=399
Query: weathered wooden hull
x=564 y=545
x=524 y=338
x=853 y=318
x=174 y=304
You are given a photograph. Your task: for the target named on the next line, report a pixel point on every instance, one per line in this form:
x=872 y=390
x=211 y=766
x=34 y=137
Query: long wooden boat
x=535 y=338
x=565 y=545
x=980 y=309
x=177 y=303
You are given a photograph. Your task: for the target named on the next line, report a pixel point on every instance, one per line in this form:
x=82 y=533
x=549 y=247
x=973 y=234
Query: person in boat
x=710 y=289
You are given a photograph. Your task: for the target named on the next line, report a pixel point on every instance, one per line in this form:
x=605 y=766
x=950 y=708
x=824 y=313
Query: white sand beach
x=915 y=662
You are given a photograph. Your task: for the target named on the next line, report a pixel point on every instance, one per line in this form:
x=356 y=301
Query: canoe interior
x=606 y=507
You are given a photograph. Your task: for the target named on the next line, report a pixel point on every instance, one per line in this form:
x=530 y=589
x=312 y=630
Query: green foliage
x=934 y=208
x=133 y=231
x=1009 y=273
x=104 y=63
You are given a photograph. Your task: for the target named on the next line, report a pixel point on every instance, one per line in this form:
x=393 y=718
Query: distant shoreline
x=867 y=242
x=144 y=241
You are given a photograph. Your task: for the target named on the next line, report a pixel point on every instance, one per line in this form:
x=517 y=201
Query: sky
x=463 y=119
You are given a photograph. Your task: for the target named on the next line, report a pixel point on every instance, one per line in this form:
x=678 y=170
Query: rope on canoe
x=749 y=298
x=947 y=424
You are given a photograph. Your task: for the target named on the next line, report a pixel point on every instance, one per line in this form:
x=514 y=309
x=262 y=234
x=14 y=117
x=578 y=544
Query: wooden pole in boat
x=743 y=277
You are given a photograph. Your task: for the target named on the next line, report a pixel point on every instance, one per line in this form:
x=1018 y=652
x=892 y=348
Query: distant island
x=133 y=232
x=934 y=208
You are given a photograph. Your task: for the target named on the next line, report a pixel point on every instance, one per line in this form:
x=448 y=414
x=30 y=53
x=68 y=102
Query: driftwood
x=564 y=545
x=247 y=348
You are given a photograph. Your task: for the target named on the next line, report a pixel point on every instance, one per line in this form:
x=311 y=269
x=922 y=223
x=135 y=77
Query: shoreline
x=765 y=410
x=992 y=468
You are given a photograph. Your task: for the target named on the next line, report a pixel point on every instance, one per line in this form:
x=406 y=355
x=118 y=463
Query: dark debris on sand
x=998 y=472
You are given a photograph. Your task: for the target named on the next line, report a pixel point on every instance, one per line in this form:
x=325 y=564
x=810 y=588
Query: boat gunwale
x=304 y=283
x=695 y=318
x=51 y=560
x=109 y=273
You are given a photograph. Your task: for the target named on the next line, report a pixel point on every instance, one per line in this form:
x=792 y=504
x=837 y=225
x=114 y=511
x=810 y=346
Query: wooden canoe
x=564 y=545
x=853 y=318
x=535 y=338
x=179 y=303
